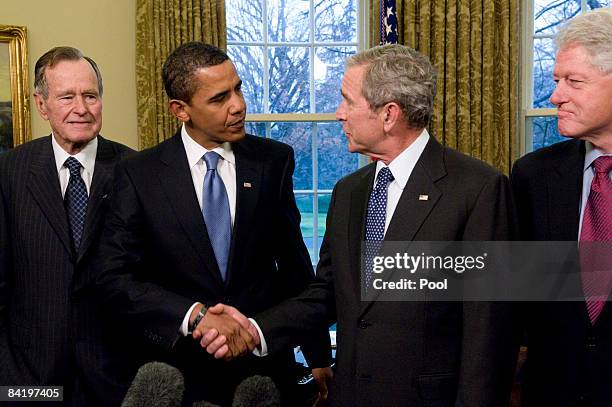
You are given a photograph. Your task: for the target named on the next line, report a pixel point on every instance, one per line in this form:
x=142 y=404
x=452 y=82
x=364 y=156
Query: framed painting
x=14 y=94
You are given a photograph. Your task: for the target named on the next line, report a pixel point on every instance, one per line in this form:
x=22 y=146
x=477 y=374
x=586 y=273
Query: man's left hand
x=323 y=377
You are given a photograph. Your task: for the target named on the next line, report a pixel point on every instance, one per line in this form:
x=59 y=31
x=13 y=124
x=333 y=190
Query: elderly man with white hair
x=564 y=193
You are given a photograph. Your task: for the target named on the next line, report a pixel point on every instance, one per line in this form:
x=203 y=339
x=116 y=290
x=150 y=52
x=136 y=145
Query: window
x=290 y=55
x=542 y=20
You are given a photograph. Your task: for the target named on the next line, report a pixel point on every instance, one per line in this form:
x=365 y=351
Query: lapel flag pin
x=423 y=197
x=247 y=185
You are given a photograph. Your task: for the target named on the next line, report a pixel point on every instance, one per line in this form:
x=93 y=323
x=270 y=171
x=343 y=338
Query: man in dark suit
x=563 y=193
x=53 y=196
x=166 y=257
x=402 y=353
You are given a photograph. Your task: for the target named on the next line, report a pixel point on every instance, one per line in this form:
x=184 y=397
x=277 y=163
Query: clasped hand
x=226 y=333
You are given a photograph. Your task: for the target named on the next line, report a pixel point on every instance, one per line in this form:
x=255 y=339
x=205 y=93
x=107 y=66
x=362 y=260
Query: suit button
x=363 y=324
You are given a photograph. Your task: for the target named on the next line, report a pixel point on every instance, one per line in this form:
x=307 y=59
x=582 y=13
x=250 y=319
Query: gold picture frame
x=14 y=94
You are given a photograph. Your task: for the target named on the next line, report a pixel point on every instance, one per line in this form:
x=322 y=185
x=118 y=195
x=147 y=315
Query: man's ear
x=41 y=106
x=178 y=109
x=392 y=114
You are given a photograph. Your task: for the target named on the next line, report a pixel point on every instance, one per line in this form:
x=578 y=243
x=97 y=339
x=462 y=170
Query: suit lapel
x=100 y=184
x=44 y=185
x=564 y=185
x=175 y=179
x=411 y=212
x=356 y=224
x=249 y=170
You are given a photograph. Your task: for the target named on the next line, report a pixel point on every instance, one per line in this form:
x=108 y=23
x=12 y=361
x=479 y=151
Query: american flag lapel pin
x=423 y=197
x=247 y=185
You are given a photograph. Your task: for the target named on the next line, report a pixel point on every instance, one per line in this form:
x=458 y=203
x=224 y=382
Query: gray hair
x=52 y=58
x=396 y=73
x=593 y=31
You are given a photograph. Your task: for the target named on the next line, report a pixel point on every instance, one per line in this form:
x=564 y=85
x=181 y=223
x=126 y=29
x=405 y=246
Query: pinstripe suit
x=50 y=331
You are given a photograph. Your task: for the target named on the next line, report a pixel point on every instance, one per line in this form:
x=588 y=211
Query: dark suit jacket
x=158 y=259
x=50 y=331
x=568 y=361
x=409 y=353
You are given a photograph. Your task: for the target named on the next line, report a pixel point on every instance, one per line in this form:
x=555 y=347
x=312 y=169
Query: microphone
x=156 y=384
x=204 y=404
x=256 y=391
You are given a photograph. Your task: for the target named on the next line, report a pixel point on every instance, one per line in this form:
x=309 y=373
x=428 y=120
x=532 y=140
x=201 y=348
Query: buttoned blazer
x=568 y=362
x=50 y=330
x=158 y=259
x=410 y=353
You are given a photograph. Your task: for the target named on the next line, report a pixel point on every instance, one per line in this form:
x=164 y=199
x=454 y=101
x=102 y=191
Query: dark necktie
x=375 y=220
x=216 y=211
x=75 y=200
x=596 y=240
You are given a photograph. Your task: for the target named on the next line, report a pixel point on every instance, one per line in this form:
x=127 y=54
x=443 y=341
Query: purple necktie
x=596 y=240
x=75 y=201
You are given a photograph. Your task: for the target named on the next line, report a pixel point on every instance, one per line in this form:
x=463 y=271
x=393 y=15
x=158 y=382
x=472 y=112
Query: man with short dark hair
x=53 y=196
x=207 y=216
x=564 y=193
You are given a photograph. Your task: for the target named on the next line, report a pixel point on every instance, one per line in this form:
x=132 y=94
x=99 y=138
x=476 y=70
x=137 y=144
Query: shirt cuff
x=185 y=325
x=262 y=349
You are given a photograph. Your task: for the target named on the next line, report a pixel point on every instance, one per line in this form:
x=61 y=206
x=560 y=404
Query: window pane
x=256 y=129
x=328 y=70
x=545 y=131
x=304 y=202
x=550 y=14
x=599 y=4
x=244 y=20
x=336 y=20
x=288 y=20
x=324 y=200
x=334 y=159
x=543 y=64
x=289 y=80
x=249 y=64
x=298 y=136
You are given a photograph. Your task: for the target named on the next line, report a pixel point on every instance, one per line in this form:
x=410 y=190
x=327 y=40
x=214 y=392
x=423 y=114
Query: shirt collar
x=401 y=167
x=87 y=156
x=591 y=154
x=195 y=151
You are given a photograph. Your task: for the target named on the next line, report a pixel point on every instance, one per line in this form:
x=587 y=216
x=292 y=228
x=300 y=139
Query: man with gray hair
x=401 y=353
x=53 y=194
x=564 y=193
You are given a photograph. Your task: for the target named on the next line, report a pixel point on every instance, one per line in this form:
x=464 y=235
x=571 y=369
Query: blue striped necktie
x=75 y=201
x=216 y=211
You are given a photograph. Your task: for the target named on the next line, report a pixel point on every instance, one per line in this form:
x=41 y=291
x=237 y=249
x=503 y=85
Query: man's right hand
x=218 y=342
x=223 y=335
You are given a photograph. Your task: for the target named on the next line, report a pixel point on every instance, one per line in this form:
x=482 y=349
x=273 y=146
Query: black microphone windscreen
x=155 y=385
x=256 y=391
x=204 y=404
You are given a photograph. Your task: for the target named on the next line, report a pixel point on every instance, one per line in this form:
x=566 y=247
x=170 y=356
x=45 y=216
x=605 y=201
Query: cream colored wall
x=105 y=30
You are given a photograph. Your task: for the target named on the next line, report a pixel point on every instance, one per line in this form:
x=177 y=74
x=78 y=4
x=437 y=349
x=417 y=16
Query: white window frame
x=315 y=118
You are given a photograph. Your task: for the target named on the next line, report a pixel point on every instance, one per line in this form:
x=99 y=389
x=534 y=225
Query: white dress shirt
x=226 y=169
x=87 y=158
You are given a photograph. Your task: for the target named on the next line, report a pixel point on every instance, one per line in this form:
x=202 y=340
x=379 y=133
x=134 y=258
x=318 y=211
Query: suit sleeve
x=293 y=258
x=5 y=253
x=147 y=307
x=490 y=338
x=312 y=309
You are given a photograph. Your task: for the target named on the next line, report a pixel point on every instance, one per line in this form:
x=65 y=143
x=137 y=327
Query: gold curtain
x=161 y=26
x=474 y=46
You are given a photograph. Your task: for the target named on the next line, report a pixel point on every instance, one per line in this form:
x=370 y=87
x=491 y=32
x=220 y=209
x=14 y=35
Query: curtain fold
x=474 y=46
x=161 y=26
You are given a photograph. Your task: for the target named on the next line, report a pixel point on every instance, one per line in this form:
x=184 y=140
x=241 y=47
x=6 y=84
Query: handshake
x=224 y=331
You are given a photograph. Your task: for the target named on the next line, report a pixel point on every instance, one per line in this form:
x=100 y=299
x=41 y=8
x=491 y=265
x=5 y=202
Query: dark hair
x=54 y=56
x=182 y=64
